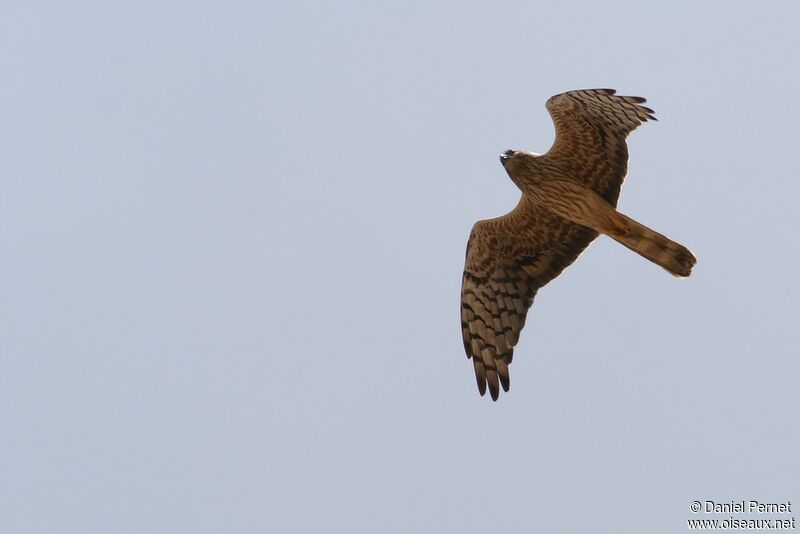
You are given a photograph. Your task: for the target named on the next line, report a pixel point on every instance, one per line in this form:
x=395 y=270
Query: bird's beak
x=507 y=155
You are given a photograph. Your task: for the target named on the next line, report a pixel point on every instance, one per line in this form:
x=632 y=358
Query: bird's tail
x=659 y=249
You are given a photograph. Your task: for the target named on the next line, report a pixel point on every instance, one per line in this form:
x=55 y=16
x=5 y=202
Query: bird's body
x=569 y=196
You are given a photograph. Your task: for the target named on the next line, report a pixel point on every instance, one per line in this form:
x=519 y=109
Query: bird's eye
x=508 y=153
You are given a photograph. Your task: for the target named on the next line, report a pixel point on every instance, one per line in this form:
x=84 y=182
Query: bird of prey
x=569 y=196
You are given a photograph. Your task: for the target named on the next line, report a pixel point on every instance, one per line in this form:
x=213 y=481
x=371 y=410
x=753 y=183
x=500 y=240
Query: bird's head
x=508 y=155
x=514 y=160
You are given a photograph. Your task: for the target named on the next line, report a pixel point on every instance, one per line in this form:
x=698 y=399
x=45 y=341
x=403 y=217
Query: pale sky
x=233 y=237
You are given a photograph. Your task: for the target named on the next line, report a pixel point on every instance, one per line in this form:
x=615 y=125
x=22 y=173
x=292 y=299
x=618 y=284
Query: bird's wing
x=591 y=128
x=508 y=259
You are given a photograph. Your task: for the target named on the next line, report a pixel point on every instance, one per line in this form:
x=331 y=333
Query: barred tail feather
x=659 y=249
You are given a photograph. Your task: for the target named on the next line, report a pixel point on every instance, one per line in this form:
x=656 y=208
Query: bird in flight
x=569 y=196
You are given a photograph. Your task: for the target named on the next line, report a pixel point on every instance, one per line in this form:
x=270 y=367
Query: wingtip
x=494 y=384
x=480 y=376
x=505 y=382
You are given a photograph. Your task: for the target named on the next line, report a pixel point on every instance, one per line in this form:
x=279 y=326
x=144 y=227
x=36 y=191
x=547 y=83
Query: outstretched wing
x=591 y=128
x=508 y=259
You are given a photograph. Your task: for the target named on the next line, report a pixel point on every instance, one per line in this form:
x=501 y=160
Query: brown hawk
x=568 y=197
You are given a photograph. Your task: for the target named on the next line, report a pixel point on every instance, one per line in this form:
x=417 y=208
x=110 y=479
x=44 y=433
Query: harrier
x=569 y=196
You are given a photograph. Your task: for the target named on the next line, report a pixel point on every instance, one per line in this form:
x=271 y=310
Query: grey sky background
x=233 y=237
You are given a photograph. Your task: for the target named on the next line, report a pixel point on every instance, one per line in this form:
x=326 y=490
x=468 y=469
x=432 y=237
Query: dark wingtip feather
x=502 y=371
x=494 y=384
x=480 y=376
